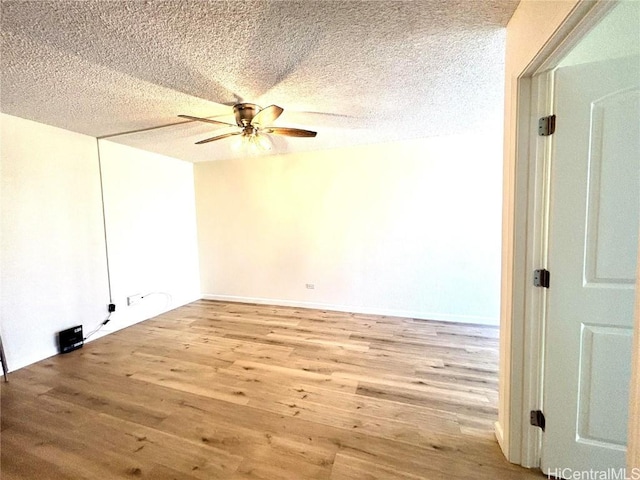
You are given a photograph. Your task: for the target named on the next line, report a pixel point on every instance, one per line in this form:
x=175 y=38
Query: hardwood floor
x=236 y=391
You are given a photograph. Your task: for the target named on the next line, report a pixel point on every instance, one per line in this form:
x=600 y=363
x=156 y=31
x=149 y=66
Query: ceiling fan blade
x=290 y=132
x=208 y=120
x=218 y=137
x=267 y=115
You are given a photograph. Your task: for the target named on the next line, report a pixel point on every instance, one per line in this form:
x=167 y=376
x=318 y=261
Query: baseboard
x=442 y=317
x=24 y=361
x=115 y=325
x=124 y=318
x=499 y=433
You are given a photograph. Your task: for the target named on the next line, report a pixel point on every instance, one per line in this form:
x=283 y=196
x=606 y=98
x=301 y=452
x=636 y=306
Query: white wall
x=616 y=36
x=151 y=231
x=53 y=262
x=408 y=229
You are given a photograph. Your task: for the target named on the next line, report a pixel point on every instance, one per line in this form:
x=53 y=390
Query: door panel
x=603 y=396
x=593 y=236
x=613 y=166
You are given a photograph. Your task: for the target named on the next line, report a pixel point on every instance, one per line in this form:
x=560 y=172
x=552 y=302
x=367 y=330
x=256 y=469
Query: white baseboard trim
x=499 y=433
x=442 y=317
x=34 y=357
x=130 y=319
x=29 y=358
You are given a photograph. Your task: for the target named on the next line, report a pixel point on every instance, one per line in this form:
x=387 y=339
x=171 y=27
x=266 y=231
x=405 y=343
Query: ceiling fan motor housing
x=245 y=112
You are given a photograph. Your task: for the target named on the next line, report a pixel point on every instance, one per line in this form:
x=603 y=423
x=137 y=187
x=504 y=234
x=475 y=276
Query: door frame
x=522 y=368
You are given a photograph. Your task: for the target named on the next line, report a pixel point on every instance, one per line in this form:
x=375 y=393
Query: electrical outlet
x=310 y=286
x=133 y=299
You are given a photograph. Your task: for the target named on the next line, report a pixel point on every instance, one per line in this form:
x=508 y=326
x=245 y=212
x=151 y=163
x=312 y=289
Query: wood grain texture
x=235 y=391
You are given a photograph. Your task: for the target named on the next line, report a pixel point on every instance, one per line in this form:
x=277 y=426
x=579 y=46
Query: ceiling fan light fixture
x=252 y=142
x=255 y=142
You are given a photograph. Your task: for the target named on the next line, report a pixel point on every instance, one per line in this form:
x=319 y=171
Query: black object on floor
x=70 y=339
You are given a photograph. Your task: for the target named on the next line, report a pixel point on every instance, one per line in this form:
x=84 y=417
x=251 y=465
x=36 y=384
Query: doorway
x=589 y=378
x=591 y=244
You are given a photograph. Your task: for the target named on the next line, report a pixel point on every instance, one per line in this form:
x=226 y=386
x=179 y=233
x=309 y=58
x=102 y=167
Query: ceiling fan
x=253 y=121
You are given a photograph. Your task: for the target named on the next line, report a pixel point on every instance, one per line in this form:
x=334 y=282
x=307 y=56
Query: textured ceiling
x=355 y=71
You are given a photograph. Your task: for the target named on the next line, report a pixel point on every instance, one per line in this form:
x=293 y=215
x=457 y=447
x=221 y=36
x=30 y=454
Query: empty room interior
x=285 y=239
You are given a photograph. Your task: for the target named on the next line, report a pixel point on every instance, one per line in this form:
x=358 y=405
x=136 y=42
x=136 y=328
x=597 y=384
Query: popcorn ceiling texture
x=383 y=70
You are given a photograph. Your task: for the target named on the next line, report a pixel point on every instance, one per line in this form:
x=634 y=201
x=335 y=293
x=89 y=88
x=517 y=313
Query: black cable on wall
x=104 y=221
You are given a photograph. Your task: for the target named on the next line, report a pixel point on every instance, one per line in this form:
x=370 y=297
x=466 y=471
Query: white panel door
x=593 y=239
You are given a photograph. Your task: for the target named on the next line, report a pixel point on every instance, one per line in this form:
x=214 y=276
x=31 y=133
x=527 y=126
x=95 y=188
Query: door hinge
x=541 y=278
x=547 y=126
x=537 y=419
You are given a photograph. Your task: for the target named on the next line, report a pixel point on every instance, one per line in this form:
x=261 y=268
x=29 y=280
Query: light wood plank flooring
x=236 y=391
